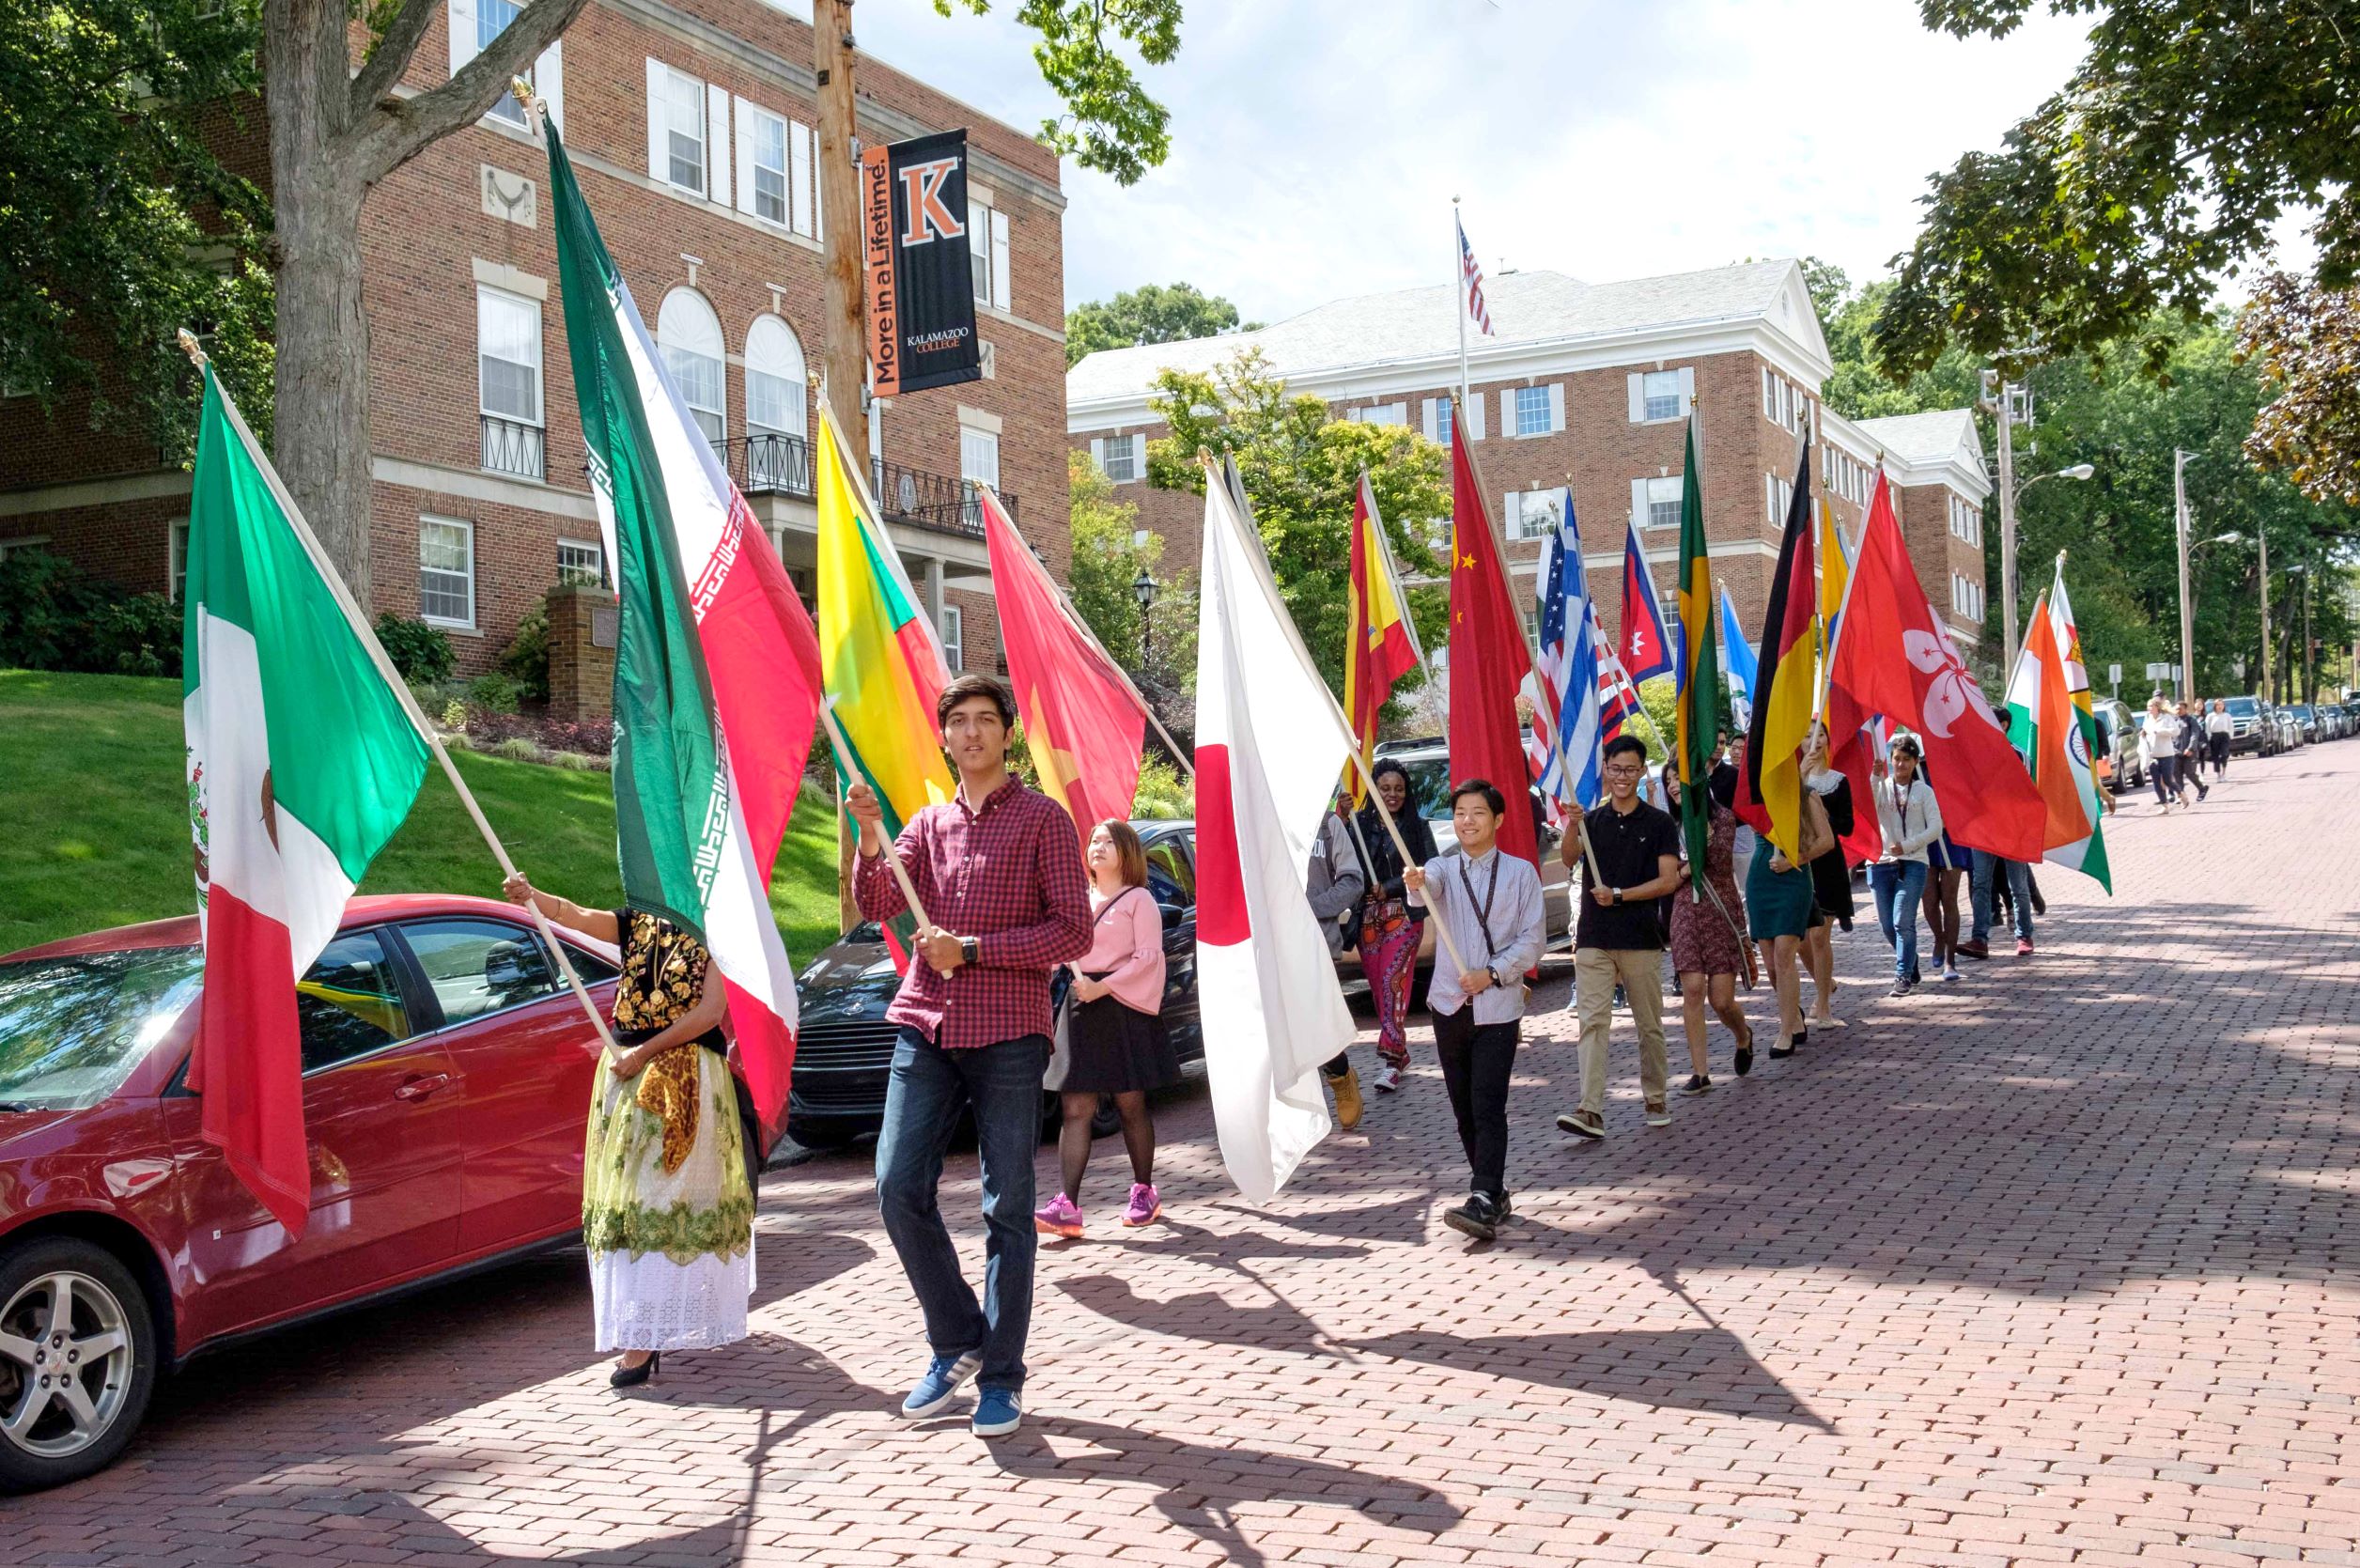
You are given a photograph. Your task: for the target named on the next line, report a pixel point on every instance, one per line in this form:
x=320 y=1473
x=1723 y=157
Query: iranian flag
x=302 y=763
x=1269 y=742
x=716 y=667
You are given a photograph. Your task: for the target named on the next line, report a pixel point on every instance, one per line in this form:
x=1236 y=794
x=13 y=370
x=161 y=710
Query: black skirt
x=1831 y=888
x=1117 y=1050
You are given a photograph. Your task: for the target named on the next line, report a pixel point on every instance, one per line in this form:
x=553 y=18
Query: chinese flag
x=1489 y=658
x=1081 y=724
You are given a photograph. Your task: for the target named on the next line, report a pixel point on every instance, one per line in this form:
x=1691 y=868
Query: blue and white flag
x=1738 y=660
x=1565 y=719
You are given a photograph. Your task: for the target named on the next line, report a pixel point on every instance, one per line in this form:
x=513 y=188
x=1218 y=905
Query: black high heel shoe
x=632 y=1378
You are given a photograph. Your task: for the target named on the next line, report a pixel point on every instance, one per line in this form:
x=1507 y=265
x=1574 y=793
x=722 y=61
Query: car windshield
x=2244 y=707
x=1429 y=786
x=73 y=1028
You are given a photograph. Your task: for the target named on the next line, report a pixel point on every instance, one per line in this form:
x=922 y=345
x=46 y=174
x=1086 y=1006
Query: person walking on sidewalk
x=1947 y=865
x=1778 y=912
x=1392 y=928
x=1618 y=938
x=1114 y=1038
x=998 y=871
x=1337 y=878
x=2217 y=729
x=1831 y=875
x=2190 y=753
x=1912 y=823
x=1991 y=871
x=1708 y=945
x=2159 y=752
x=1490 y=904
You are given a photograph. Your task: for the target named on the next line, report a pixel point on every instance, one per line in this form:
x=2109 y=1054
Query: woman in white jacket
x=1906 y=810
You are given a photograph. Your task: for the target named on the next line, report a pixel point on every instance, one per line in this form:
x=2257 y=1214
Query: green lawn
x=94 y=826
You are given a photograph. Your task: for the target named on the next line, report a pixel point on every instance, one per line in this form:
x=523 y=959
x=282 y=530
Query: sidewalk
x=2056 y=1263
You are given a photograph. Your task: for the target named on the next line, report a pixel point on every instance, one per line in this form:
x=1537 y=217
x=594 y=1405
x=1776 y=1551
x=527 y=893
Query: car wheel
x=1109 y=1121
x=750 y=1142
x=828 y=1134
x=77 y=1362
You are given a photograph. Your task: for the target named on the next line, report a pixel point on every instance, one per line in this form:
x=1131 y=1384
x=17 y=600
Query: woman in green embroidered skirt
x=666 y=1212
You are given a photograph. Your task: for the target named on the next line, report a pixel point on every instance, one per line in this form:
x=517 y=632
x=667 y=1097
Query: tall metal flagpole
x=1458 y=285
x=386 y=672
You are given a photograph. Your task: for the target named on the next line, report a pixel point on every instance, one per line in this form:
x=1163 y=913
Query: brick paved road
x=2056 y=1263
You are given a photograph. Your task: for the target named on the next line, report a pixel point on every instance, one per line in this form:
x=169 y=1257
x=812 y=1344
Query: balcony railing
x=512 y=446
x=781 y=465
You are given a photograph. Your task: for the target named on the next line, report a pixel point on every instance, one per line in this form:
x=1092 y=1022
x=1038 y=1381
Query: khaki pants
x=1640 y=971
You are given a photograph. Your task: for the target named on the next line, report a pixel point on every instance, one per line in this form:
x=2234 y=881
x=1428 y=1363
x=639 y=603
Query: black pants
x=1477 y=1061
x=2219 y=747
x=2164 y=774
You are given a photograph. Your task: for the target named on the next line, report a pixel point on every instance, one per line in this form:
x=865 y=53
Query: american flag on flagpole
x=1471 y=280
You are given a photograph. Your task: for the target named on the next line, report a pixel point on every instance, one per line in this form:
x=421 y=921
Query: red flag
x=1986 y=797
x=1489 y=657
x=1081 y=724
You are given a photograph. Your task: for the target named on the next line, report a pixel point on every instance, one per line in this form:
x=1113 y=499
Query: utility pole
x=2261 y=537
x=2187 y=618
x=844 y=356
x=2310 y=569
x=1999 y=398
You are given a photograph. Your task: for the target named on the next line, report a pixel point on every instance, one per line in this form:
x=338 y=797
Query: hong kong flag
x=1645 y=648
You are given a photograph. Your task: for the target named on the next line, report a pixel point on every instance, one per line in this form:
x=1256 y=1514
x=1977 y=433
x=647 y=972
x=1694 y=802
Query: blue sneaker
x=945 y=1376
x=997 y=1413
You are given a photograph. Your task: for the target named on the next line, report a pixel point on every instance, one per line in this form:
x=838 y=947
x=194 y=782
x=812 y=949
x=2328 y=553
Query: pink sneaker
x=1146 y=1206
x=1059 y=1217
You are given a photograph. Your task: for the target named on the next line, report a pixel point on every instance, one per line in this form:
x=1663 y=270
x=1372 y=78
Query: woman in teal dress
x=1779 y=904
x=667 y=1212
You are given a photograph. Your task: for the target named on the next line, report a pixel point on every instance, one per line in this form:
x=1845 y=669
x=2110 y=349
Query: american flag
x=1471 y=279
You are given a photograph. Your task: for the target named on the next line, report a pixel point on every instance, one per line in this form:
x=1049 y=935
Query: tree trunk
x=321 y=430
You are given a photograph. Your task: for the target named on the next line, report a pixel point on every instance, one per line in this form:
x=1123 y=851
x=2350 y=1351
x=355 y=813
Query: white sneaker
x=1389 y=1079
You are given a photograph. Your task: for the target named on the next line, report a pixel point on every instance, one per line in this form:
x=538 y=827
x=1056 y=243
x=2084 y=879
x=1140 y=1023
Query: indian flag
x=302 y=763
x=715 y=668
x=2051 y=721
x=881 y=658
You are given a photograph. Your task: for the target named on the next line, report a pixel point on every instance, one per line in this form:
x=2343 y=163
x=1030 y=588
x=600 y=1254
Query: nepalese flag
x=303 y=760
x=1472 y=286
x=1565 y=722
x=1645 y=646
x=716 y=665
x=1269 y=741
x=1737 y=660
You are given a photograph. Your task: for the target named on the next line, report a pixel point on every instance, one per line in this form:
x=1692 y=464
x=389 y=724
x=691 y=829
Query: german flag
x=1782 y=689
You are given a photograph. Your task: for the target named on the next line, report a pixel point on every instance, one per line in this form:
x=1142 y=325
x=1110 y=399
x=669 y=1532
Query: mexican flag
x=2050 y=721
x=716 y=667
x=302 y=763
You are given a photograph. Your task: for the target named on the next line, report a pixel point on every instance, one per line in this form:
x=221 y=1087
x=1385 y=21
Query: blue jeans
x=1898 y=887
x=2019 y=893
x=923 y=1100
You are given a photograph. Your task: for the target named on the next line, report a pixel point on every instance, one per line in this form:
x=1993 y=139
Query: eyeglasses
x=1626 y=771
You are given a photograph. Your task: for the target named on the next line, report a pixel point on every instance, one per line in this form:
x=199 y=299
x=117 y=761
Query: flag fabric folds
x=1835 y=571
x=1379 y=643
x=1269 y=740
x=715 y=668
x=2068 y=634
x=1784 y=696
x=1082 y=727
x=1618 y=699
x=1488 y=656
x=1565 y=683
x=1737 y=660
x=1895 y=659
x=1645 y=645
x=2046 y=723
x=1471 y=287
x=302 y=763
x=1697 y=701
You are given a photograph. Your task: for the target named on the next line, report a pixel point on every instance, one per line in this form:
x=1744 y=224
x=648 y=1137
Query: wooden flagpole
x=901 y=872
x=367 y=635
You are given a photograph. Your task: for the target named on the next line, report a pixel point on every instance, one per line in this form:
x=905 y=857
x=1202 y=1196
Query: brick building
x=690 y=123
x=1586 y=384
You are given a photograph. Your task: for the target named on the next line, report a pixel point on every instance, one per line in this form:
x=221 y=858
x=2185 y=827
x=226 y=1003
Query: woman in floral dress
x=1707 y=951
x=667 y=1213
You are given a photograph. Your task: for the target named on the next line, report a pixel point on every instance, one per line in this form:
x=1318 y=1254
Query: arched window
x=690 y=337
x=776 y=394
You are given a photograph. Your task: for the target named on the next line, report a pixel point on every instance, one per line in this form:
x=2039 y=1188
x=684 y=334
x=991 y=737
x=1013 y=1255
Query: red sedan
x=447 y=1083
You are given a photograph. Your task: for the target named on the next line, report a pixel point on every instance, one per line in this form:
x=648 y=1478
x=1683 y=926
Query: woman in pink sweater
x=1115 y=1039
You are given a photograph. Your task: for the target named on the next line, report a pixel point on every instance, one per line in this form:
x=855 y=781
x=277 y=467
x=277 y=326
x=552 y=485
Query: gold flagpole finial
x=190 y=347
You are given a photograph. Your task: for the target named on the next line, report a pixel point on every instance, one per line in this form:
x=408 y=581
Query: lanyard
x=1483 y=912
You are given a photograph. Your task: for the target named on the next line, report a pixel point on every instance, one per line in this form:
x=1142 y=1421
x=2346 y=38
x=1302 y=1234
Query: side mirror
x=1173 y=914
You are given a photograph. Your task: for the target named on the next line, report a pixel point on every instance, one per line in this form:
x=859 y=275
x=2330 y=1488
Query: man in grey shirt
x=1490 y=904
x=1334 y=883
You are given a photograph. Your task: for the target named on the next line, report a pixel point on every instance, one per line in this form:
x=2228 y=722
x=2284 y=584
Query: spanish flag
x=1783 y=680
x=1380 y=645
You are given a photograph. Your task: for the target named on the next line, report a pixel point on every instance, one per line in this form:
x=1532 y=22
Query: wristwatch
x=970 y=949
x=1493 y=973
x=1618 y=896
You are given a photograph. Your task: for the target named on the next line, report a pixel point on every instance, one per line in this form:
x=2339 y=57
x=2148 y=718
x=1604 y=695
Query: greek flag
x=1566 y=719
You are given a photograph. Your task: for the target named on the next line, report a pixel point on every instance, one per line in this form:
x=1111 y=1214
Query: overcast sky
x=1316 y=144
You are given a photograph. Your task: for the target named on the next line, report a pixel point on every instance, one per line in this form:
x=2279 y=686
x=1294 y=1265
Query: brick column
x=581 y=629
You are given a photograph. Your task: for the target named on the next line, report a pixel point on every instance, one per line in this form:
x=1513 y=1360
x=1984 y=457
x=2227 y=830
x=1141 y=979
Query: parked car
x=446 y=1080
x=2248 y=726
x=2307 y=717
x=2118 y=737
x=2290 y=728
x=843 y=1048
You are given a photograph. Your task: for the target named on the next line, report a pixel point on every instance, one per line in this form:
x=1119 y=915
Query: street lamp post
x=1143 y=589
x=2262 y=541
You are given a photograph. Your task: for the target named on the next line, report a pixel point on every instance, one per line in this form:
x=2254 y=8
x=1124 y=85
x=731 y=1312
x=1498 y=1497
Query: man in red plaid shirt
x=999 y=869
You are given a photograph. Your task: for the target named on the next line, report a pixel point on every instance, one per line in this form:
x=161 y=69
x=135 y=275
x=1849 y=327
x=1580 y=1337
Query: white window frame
x=487 y=293
x=719 y=356
x=467 y=533
x=755 y=125
x=1769 y=395
x=1662 y=489
x=1528 y=400
x=1660 y=386
x=176 y=550
x=588 y=569
x=1126 y=456
x=988 y=253
x=546 y=75
x=22 y=541
x=797 y=399
x=1445 y=412
x=951 y=624
x=1527 y=515
x=984 y=441
x=677 y=85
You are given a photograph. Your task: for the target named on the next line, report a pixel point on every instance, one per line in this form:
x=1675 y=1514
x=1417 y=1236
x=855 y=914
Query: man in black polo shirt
x=1618 y=938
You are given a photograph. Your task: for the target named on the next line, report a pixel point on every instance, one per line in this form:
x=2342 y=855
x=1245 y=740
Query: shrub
x=135 y=636
x=54 y=615
x=420 y=652
x=495 y=693
x=519 y=747
x=526 y=660
x=1163 y=791
x=590 y=737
